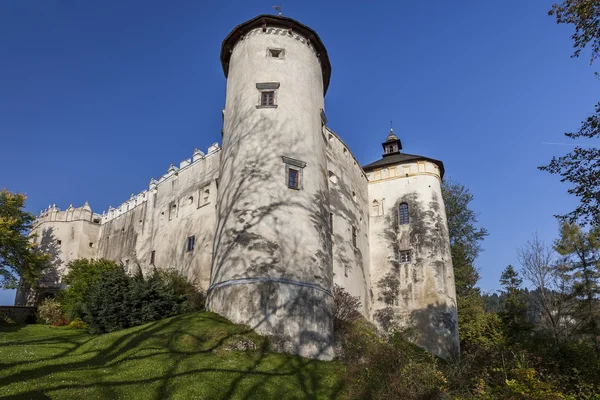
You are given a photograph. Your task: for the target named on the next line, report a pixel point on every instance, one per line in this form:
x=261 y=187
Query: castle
x=270 y=221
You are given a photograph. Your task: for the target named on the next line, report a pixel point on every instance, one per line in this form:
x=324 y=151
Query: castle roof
x=279 y=22
x=402 y=158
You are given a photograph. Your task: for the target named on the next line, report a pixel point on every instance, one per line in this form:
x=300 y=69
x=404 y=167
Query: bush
x=77 y=323
x=346 y=308
x=50 y=311
x=81 y=276
x=118 y=301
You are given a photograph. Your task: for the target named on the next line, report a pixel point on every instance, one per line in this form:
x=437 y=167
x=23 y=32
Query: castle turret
x=272 y=267
x=411 y=266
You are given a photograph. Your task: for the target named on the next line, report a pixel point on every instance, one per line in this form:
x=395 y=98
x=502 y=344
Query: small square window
x=405 y=256
x=276 y=53
x=191 y=242
x=59 y=242
x=267 y=98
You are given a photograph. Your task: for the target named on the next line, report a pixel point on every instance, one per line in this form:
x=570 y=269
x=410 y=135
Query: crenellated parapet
x=55 y=214
x=173 y=171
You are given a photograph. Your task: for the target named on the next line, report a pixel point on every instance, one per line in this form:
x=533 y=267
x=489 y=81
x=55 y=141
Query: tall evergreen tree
x=514 y=312
x=581 y=252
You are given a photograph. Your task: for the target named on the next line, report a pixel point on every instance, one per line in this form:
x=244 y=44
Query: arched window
x=403 y=214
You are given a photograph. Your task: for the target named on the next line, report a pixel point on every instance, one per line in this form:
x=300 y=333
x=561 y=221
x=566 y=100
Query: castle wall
x=348 y=199
x=66 y=236
x=272 y=257
x=179 y=205
x=419 y=293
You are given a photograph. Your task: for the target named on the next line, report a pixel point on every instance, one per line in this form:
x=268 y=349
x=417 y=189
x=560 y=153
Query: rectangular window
x=405 y=256
x=293 y=178
x=331 y=221
x=191 y=241
x=152 y=256
x=354 y=236
x=267 y=98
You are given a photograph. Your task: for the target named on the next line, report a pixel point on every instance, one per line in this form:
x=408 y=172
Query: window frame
x=296 y=165
x=404 y=256
x=403 y=214
x=267 y=87
x=190 y=244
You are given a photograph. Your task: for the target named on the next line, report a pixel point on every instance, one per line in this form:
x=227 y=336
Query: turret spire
x=392 y=144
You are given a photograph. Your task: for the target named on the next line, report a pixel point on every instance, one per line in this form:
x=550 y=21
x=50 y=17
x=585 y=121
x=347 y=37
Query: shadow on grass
x=192 y=355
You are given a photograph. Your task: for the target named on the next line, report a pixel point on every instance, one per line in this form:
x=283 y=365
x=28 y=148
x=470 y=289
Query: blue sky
x=97 y=97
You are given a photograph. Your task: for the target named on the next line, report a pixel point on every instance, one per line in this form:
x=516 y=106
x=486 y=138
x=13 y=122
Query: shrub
x=50 y=311
x=82 y=275
x=77 y=323
x=346 y=308
x=117 y=301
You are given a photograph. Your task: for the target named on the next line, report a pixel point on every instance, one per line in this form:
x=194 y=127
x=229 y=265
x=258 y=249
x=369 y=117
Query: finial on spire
x=278 y=8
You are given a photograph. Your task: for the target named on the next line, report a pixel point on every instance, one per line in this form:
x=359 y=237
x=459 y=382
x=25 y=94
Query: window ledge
x=259 y=106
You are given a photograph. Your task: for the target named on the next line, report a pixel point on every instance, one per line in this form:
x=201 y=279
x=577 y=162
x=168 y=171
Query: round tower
x=411 y=264
x=272 y=267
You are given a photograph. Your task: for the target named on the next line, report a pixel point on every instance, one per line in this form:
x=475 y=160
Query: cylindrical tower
x=272 y=267
x=411 y=263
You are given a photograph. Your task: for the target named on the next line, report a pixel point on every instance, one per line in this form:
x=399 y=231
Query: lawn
x=192 y=356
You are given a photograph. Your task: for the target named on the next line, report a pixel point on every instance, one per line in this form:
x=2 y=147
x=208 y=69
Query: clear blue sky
x=97 y=97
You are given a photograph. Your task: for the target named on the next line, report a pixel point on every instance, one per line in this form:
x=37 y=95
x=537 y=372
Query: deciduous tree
x=19 y=258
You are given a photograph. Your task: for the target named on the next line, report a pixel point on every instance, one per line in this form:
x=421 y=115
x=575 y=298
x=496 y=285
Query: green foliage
x=582 y=256
x=82 y=275
x=514 y=311
x=117 y=300
x=50 y=311
x=346 y=308
x=584 y=15
x=465 y=236
x=19 y=258
x=77 y=323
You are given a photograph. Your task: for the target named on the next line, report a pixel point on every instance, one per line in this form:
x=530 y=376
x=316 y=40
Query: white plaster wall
x=267 y=232
x=348 y=198
x=426 y=297
x=173 y=210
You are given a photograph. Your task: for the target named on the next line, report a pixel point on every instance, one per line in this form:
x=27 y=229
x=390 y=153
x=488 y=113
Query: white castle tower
x=272 y=267
x=411 y=266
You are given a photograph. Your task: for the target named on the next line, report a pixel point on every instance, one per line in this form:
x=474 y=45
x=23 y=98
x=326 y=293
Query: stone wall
x=348 y=199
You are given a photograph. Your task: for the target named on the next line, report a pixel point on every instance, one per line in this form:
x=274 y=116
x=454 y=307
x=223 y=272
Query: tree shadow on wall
x=49 y=282
x=256 y=236
x=436 y=328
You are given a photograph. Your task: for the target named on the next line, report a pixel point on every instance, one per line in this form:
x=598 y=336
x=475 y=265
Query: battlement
x=54 y=214
x=135 y=200
x=84 y=213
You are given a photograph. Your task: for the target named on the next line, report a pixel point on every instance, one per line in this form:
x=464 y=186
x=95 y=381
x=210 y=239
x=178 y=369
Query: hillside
x=193 y=356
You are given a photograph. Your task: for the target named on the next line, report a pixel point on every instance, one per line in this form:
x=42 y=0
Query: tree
x=550 y=296
x=19 y=258
x=81 y=276
x=581 y=167
x=514 y=312
x=585 y=15
x=582 y=257
x=465 y=236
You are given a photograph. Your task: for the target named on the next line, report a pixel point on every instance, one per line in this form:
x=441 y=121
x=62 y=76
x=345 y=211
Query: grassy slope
x=184 y=357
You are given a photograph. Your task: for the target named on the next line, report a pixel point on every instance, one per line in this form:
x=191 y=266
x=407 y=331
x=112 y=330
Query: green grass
x=185 y=357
